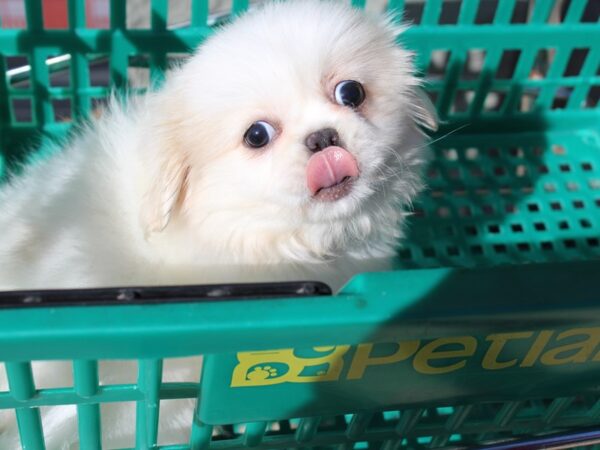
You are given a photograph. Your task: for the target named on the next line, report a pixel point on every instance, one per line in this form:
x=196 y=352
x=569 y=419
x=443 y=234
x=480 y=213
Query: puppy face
x=295 y=124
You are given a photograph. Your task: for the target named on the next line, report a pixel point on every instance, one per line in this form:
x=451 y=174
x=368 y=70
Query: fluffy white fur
x=162 y=189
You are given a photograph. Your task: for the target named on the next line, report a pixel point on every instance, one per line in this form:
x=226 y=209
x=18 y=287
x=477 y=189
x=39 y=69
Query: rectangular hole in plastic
x=578 y=204
x=594 y=184
x=477 y=249
x=182 y=369
x=570 y=243
x=563 y=225
x=494 y=229
x=473 y=64
x=62 y=110
x=117 y=372
x=591 y=14
x=99 y=71
x=561 y=97
x=450 y=154
x=576 y=61
x=138 y=14
x=572 y=186
x=472 y=153
x=528 y=99
x=557 y=15
x=450 y=12
x=56 y=420
x=486 y=12
x=586 y=167
x=508 y=64
x=516 y=228
x=555 y=206
x=438 y=63
x=593 y=96
x=413 y=12
x=585 y=223
x=539 y=226
x=19 y=71
x=593 y=242
x=542 y=63
x=547 y=246
x=52 y=374
x=138 y=72
x=22 y=110
x=123 y=414
x=494 y=100
x=462 y=100
x=180 y=412
x=521 y=171
x=59 y=70
x=13 y=14
x=97 y=14
x=179 y=13
x=220 y=6
x=443 y=212
x=55 y=14
x=470 y=230
x=523 y=247
x=500 y=248
x=520 y=12
x=564 y=167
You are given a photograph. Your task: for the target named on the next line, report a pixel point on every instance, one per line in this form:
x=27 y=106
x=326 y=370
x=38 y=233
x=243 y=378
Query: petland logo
x=499 y=351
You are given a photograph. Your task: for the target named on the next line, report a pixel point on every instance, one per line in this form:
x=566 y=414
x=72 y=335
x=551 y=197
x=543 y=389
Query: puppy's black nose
x=321 y=139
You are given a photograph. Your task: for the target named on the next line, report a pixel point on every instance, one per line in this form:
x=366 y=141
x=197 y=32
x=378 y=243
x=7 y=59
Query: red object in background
x=12 y=14
x=55 y=13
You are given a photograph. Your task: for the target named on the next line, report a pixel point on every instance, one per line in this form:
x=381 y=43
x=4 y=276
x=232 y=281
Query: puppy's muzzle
x=332 y=169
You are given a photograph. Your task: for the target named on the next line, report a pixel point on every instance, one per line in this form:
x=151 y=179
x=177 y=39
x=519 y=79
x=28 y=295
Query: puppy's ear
x=168 y=176
x=423 y=111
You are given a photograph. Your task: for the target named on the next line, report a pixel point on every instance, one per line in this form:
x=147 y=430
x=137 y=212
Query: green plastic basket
x=490 y=326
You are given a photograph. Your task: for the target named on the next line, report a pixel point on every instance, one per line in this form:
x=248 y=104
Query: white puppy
x=286 y=147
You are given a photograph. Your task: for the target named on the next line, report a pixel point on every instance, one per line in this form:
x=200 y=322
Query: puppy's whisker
x=429 y=143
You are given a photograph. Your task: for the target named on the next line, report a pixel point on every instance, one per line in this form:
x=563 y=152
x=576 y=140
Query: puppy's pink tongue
x=329 y=167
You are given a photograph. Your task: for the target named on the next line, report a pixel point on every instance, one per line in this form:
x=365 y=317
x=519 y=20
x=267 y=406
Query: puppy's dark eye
x=259 y=134
x=349 y=93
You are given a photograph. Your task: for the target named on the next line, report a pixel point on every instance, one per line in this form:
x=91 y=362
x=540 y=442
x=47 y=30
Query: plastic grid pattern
x=494 y=198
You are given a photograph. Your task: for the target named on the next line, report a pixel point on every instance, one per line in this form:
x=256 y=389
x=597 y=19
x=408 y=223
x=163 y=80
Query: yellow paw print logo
x=260 y=373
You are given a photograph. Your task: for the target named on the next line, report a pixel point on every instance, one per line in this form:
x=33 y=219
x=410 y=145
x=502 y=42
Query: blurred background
x=12 y=15
x=138 y=11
